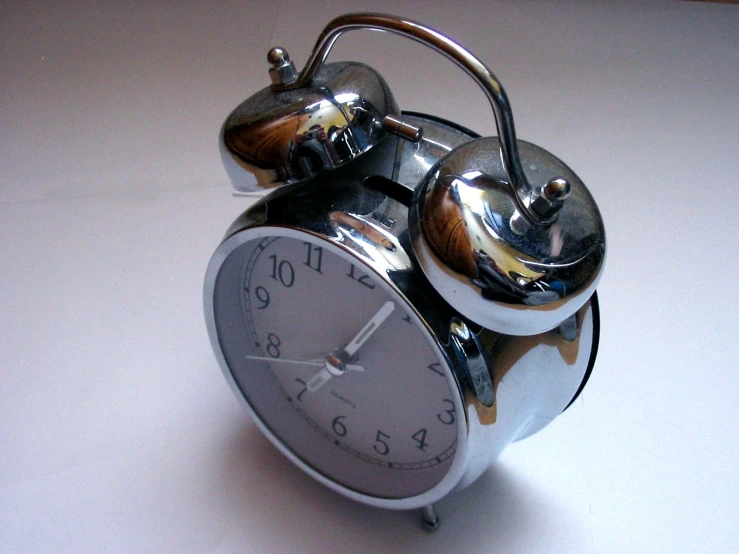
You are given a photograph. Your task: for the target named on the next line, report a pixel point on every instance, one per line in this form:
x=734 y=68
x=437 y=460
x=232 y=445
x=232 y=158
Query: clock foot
x=429 y=520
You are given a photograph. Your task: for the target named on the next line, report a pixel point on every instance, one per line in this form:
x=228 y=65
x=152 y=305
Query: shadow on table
x=500 y=512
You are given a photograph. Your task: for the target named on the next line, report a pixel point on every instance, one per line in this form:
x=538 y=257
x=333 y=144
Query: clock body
x=429 y=399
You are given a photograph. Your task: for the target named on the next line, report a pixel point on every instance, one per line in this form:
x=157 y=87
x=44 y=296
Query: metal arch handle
x=444 y=45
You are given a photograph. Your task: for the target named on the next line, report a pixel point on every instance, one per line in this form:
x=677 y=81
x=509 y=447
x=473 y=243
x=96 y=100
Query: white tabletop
x=118 y=432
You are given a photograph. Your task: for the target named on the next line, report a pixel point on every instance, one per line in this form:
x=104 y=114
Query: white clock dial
x=337 y=366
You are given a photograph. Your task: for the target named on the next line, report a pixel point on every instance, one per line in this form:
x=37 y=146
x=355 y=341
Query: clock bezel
x=379 y=267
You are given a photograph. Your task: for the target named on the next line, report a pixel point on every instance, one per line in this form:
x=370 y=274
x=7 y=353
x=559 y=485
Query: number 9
x=263 y=296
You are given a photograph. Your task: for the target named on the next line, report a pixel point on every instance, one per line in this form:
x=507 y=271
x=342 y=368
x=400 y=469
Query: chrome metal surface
x=443 y=45
x=276 y=138
x=429 y=518
x=473 y=360
x=414 y=160
x=402 y=128
x=487 y=259
x=551 y=199
x=283 y=69
x=491 y=248
x=533 y=378
x=568 y=328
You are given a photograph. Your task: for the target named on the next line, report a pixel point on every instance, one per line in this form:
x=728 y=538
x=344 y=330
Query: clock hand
x=334 y=365
x=318 y=362
x=318 y=380
x=369 y=329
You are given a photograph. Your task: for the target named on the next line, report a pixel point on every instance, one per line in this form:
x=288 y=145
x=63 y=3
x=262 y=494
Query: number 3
x=450 y=413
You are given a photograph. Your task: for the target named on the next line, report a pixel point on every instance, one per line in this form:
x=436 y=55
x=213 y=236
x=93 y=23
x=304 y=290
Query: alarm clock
x=410 y=297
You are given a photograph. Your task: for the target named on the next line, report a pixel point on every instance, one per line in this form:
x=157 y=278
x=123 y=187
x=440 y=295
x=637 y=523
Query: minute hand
x=333 y=365
x=369 y=329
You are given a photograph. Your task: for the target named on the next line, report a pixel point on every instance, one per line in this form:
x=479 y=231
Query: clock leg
x=429 y=520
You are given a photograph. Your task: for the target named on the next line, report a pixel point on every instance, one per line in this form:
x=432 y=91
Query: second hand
x=286 y=361
x=318 y=363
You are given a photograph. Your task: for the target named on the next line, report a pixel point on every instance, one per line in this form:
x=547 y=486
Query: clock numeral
x=263 y=296
x=314 y=262
x=380 y=446
x=282 y=272
x=363 y=279
x=449 y=418
x=436 y=368
x=302 y=391
x=338 y=427
x=273 y=346
x=420 y=438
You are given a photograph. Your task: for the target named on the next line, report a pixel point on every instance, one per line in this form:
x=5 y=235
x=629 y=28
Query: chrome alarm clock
x=410 y=298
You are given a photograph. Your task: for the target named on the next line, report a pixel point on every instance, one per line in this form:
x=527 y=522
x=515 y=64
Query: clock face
x=336 y=367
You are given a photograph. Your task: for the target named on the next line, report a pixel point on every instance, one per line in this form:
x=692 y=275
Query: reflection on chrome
x=287 y=137
x=488 y=258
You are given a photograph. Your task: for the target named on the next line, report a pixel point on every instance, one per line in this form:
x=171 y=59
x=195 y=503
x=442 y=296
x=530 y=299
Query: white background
x=118 y=432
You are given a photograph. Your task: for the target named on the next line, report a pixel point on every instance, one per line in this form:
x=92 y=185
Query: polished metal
x=414 y=160
x=532 y=379
x=429 y=518
x=283 y=69
x=402 y=128
x=277 y=138
x=494 y=244
x=568 y=328
x=443 y=45
x=551 y=199
x=467 y=347
x=491 y=262
x=336 y=363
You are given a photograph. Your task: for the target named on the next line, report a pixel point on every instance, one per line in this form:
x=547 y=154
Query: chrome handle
x=441 y=44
